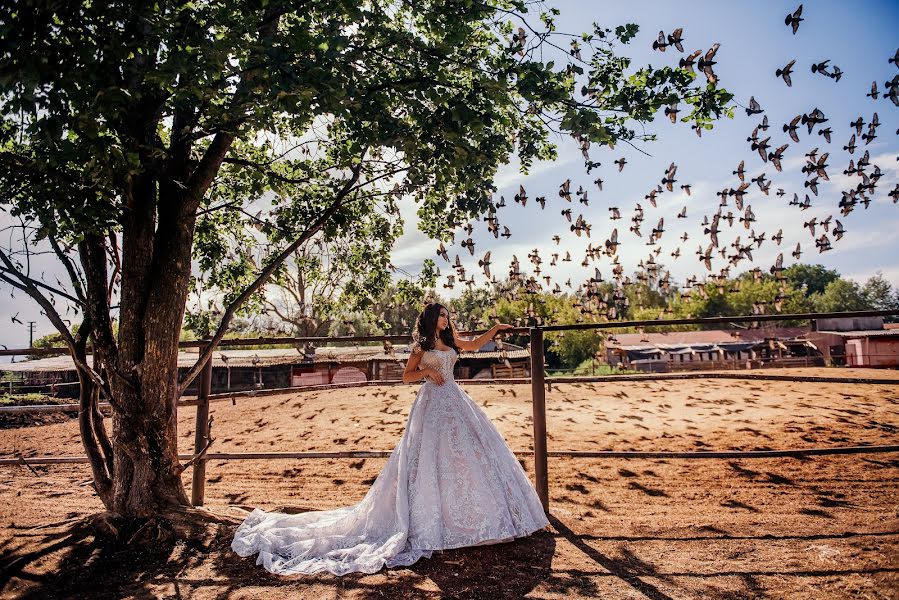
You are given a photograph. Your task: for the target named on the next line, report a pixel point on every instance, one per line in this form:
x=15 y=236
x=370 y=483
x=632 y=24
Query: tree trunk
x=147 y=477
x=147 y=469
x=157 y=240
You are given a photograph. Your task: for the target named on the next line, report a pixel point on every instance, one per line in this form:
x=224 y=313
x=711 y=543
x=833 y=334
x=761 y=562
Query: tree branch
x=261 y=168
x=117 y=265
x=41 y=284
x=92 y=250
x=101 y=461
x=294 y=322
x=30 y=289
x=202 y=177
x=202 y=452
x=77 y=282
x=264 y=276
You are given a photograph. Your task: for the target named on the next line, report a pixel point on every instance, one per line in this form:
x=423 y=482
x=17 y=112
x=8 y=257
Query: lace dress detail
x=450 y=481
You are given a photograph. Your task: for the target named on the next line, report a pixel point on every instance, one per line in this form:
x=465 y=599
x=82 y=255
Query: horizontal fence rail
x=735 y=454
x=246 y=394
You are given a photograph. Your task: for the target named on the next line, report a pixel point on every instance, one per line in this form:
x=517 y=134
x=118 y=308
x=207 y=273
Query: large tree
x=139 y=137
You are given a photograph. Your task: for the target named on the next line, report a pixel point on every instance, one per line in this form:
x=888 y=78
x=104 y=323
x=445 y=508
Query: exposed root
x=105 y=545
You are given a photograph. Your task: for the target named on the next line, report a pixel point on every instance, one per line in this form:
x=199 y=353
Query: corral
x=819 y=525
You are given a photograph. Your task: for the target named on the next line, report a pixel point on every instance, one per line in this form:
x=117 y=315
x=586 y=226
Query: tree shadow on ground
x=64 y=560
x=79 y=563
x=84 y=565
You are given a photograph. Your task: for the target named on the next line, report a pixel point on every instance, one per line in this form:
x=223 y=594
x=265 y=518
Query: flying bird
x=873 y=93
x=754 y=107
x=793 y=19
x=777 y=156
x=837 y=73
x=821 y=67
x=785 y=73
x=518 y=40
x=706 y=62
x=660 y=43
x=675 y=38
x=689 y=61
x=668 y=180
x=671 y=112
x=816 y=117
x=792 y=127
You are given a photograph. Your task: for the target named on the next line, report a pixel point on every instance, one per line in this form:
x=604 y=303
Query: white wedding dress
x=451 y=481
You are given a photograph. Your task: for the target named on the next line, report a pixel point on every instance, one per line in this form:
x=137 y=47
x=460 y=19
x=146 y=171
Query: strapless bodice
x=442 y=361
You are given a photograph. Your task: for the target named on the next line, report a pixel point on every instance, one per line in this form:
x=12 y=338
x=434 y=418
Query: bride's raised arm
x=475 y=344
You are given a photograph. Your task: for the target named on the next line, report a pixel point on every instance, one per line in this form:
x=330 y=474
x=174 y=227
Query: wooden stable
x=235 y=370
x=513 y=371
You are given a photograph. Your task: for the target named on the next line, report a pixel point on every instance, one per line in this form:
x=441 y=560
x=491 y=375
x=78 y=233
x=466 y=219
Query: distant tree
x=743 y=295
x=880 y=294
x=708 y=299
x=51 y=340
x=840 y=295
x=562 y=349
x=324 y=283
x=755 y=295
x=811 y=279
x=387 y=315
x=472 y=309
x=646 y=295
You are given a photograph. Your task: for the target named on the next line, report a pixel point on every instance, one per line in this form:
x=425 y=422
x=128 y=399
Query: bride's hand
x=503 y=326
x=435 y=376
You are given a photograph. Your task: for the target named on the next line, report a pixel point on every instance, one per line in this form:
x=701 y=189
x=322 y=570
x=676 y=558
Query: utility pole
x=31 y=334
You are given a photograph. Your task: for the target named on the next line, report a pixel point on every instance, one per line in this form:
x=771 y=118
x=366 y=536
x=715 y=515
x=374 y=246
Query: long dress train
x=451 y=481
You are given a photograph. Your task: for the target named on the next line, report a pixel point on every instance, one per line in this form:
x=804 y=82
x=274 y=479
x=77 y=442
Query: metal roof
x=706 y=336
x=865 y=333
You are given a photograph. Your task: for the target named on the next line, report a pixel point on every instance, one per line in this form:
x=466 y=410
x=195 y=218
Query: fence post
x=198 y=484
x=538 y=403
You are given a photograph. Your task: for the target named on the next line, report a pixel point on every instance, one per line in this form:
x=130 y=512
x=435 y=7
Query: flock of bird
x=593 y=300
x=824 y=232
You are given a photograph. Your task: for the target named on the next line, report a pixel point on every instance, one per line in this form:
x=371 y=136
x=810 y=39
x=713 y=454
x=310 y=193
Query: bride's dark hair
x=425 y=332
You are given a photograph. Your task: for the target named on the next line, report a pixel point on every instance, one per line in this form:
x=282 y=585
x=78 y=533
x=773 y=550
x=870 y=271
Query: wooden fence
x=538 y=382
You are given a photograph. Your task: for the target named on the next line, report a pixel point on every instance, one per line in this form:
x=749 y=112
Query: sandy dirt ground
x=813 y=527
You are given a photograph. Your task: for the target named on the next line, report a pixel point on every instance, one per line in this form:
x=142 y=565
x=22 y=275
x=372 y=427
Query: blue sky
x=858 y=36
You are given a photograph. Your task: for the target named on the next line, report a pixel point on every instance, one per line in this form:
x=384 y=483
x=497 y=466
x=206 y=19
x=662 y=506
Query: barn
x=712 y=349
x=859 y=342
x=249 y=369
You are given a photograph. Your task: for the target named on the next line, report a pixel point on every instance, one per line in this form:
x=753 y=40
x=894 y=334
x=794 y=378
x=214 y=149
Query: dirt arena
x=814 y=527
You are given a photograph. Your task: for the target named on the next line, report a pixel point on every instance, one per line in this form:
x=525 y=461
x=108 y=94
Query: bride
x=451 y=481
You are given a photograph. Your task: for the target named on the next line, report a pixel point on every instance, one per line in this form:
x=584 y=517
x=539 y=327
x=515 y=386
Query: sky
x=859 y=37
